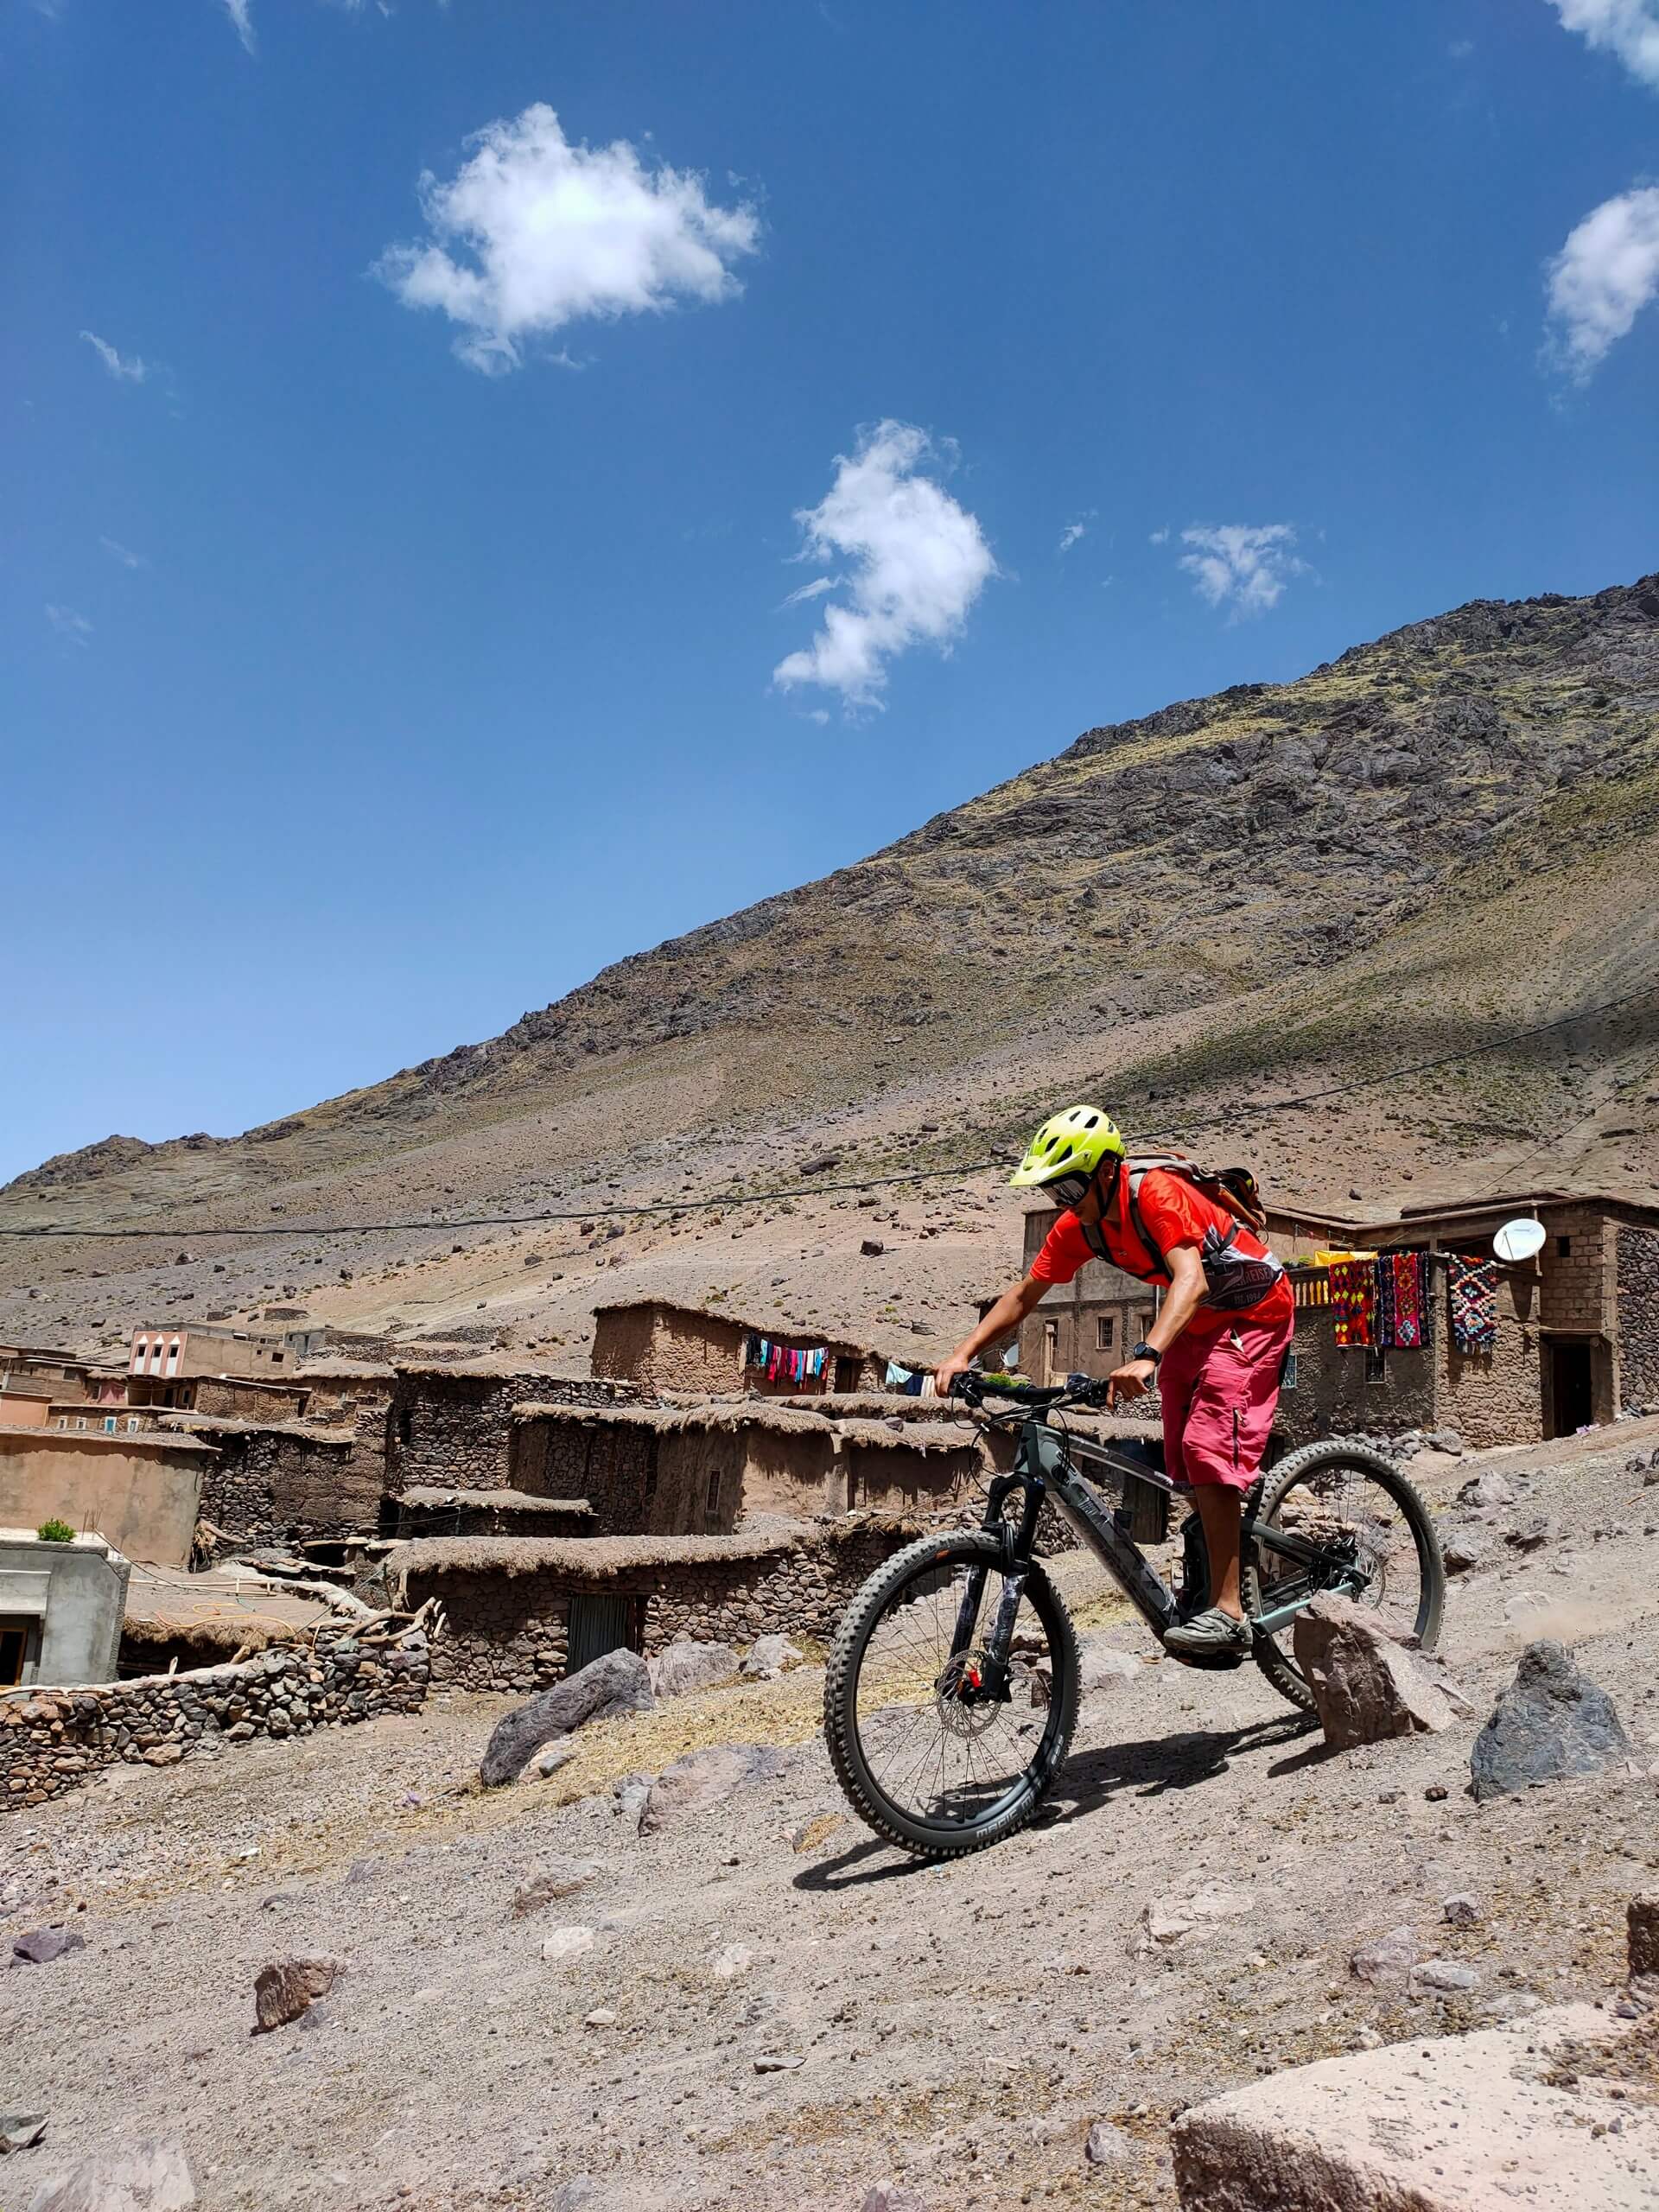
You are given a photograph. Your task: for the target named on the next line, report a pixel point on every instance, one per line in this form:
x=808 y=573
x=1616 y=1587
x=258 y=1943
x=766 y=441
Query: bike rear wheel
x=938 y=1774
x=1357 y=1506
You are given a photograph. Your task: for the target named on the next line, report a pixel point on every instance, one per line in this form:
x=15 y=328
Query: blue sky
x=396 y=612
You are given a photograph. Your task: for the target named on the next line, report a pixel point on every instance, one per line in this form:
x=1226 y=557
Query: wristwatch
x=1144 y=1350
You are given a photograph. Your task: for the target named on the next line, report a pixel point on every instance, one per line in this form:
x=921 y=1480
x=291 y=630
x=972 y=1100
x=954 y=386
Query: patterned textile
x=1382 y=1326
x=1353 y=1300
x=1406 y=1268
x=1472 y=1294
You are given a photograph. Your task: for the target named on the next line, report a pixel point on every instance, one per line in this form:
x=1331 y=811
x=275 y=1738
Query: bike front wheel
x=1364 y=1515
x=924 y=1760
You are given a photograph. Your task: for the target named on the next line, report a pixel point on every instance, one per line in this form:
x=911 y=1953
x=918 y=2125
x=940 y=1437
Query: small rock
x=1463 y=1552
x=707 y=1778
x=550 y=1760
x=735 y=1959
x=21 y=2131
x=1489 y=1490
x=1367 y=1687
x=819 y=1829
x=1461 y=1910
x=769 y=1656
x=1550 y=1722
x=778 y=2061
x=360 y=1870
x=1642 y=1927
x=552 y=1879
x=1385 y=1956
x=1101 y=1665
x=568 y=1943
x=630 y=1796
x=686 y=1667
x=41 y=1945
x=1436 y=1793
x=1445 y=1439
x=1532 y=1536
x=600 y=2017
x=872 y=1248
x=1106 y=2145
x=282 y=1991
x=148 y=2175
x=1445 y=1976
x=891 y=2197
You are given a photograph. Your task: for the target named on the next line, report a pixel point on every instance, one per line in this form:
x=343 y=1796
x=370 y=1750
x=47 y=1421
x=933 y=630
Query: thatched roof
x=802 y=1338
x=496 y=1501
x=909 y=1436
x=242 y=1425
x=345 y=1370
x=725 y=1417
x=582 y=1559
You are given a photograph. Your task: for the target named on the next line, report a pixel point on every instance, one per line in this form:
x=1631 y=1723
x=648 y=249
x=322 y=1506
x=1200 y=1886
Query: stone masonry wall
x=613 y=1467
x=452 y=1429
x=51 y=1741
x=508 y=1632
x=1636 y=1275
x=279 y=1486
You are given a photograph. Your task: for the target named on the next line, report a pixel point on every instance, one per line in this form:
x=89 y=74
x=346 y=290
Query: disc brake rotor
x=965 y=1671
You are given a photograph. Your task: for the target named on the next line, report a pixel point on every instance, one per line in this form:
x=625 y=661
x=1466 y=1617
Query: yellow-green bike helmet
x=1064 y=1154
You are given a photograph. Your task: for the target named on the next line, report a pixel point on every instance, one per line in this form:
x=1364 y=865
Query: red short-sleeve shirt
x=1175 y=1214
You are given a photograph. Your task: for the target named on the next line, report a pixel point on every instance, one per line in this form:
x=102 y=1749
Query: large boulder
x=616 y=1683
x=148 y=2175
x=1520 y=2116
x=283 y=1990
x=1367 y=1687
x=707 y=1778
x=1549 y=1723
x=687 y=1667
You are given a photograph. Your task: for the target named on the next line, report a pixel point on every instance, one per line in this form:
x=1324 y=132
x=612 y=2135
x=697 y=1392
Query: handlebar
x=1078 y=1389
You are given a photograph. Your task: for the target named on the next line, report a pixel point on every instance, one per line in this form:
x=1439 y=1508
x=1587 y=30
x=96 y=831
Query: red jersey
x=1176 y=1216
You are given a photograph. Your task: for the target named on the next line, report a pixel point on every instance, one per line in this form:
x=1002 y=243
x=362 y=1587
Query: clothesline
x=785 y=1363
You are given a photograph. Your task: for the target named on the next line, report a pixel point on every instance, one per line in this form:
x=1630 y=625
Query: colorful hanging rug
x=1472 y=1294
x=1382 y=1324
x=1353 y=1300
x=1406 y=1297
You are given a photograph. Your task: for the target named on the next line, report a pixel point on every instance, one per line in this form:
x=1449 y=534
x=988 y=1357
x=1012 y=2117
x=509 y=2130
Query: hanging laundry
x=1472 y=1296
x=930 y=1389
x=1382 y=1321
x=913 y=1387
x=1406 y=1268
x=1353 y=1300
x=897 y=1377
x=774 y=1362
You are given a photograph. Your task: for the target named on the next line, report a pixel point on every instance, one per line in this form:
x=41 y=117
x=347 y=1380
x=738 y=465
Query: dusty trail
x=960 y=2027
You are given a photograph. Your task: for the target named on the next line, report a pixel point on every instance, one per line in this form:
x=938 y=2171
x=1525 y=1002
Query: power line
x=865 y=1183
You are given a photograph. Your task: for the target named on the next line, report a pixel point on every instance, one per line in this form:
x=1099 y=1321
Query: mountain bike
x=952 y=1687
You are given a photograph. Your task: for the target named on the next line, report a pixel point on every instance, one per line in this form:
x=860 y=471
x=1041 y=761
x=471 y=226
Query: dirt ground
x=954 y=2028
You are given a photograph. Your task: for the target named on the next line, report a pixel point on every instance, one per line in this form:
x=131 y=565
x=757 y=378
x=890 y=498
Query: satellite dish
x=1519 y=1240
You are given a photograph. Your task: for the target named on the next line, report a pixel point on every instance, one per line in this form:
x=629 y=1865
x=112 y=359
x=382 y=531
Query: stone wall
x=1332 y=1396
x=1495 y=1397
x=666 y=1347
x=452 y=1426
x=508 y=1631
x=51 y=1741
x=242 y=1397
x=612 y=1463
x=290 y=1485
x=1637 y=1276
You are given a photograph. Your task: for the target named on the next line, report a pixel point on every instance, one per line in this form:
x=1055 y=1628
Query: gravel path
x=959 y=2028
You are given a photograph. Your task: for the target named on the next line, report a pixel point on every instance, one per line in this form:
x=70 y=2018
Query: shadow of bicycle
x=1152 y=1765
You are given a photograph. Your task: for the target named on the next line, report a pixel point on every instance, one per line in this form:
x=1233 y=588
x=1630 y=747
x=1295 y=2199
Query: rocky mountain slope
x=1421 y=847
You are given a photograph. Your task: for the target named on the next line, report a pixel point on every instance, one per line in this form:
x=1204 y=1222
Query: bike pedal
x=1212 y=1663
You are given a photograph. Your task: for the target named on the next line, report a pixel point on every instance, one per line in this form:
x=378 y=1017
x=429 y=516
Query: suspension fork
x=1015 y=1566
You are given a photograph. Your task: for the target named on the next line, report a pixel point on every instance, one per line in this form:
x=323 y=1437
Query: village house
x=449 y=1425
x=63 y=1376
x=659 y=1346
x=141 y=1493
x=62 y=1606
x=167 y=1363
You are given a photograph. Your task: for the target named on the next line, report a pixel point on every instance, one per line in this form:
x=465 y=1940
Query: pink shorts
x=1218 y=1393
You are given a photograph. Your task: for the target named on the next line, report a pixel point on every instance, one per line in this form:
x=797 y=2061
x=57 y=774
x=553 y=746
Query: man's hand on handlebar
x=1132 y=1380
x=945 y=1373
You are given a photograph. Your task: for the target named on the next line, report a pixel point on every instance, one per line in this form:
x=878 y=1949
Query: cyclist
x=1215 y=1353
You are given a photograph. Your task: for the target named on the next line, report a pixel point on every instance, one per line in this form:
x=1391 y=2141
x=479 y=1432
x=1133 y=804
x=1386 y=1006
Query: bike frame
x=1043 y=1469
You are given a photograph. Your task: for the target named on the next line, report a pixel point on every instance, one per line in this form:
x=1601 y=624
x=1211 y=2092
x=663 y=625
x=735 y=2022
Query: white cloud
x=1629 y=29
x=241 y=14
x=129 y=369
x=1159 y=538
x=533 y=234
x=816 y=589
x=917 y=561
x=75 y=629
x=1603 y=278
x=124 y=554
x=1074 y=531
x=1243 y=565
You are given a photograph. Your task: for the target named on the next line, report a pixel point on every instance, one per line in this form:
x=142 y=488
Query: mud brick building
x=520 y=1615
x=450 y=1426
x=140 y=1493
x=283 y=1482
x=659 y=1346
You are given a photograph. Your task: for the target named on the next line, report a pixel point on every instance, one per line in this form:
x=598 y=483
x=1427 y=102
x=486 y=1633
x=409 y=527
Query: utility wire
x=865 y=1183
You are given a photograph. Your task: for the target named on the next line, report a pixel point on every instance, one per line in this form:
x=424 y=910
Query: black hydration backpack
x=1237 y=1280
